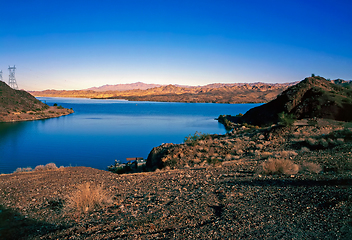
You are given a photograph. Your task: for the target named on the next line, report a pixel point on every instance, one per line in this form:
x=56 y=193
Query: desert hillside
x=18 y=105
x=313 y=97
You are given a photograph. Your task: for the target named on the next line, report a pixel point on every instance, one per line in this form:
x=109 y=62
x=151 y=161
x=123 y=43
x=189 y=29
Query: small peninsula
x=19 y=105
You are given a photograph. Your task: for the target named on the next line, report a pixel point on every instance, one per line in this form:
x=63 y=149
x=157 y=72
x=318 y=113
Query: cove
x=101 y=131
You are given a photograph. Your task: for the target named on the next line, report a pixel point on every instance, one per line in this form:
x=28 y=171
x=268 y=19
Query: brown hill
x=217 y=93
x=18 y=105
x=314 y=97
x=17 y=100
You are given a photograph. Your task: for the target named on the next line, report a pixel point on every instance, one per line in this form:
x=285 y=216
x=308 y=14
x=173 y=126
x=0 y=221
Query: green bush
x=286 y=119
x=197 y=136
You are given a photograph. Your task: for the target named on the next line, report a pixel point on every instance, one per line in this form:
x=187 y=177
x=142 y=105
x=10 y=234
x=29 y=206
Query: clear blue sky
x=81 y=44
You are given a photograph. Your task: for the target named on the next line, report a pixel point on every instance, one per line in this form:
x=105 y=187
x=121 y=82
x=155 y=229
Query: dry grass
x=27 y=169
x=279 y=166
x=88 y=197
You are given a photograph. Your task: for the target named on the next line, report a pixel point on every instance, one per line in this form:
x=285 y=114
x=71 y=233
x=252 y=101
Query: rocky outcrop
x=314 y=97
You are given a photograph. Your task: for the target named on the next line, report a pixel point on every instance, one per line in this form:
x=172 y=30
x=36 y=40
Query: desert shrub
x=87 y=198
x=279 y=166
x=286 y=119
x=39 y=168
x=55 y=104
x=311 y=167
x=60 y=107
x=197 y=136
x=49 y=166
x=27 y=169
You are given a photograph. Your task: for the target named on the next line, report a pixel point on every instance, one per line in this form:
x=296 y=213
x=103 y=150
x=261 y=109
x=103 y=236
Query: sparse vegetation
x=197 y=136
x=286 y=119
x=87 y=197
x=49 y=166
x=27 y=169
x=279 y=166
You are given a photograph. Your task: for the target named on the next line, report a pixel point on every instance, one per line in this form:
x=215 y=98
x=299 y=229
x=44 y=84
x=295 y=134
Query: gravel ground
x=224 y=202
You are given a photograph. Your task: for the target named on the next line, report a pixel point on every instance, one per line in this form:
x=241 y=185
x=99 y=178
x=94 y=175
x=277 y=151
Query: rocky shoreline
x=49 y=112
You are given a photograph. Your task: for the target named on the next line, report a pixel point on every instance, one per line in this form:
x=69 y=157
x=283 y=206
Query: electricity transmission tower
x=0 y=75
x=12 y=79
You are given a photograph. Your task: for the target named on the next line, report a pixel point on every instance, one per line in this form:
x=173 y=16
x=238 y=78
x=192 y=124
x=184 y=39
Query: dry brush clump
x=27 y=169
x=87 y=197
x=279 y=166
x=49 y=166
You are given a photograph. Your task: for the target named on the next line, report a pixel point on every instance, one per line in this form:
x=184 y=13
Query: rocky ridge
x=313 y=97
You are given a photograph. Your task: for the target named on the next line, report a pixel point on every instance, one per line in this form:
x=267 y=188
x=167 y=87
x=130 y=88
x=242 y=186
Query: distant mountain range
x=216 y=93
x=124 y=87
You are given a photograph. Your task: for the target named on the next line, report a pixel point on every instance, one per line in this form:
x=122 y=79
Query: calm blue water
x=101 y=131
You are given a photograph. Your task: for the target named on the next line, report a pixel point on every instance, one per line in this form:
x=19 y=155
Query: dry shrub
x=27 y=169
x=311 y=167
x=279 y=166
x=39 y=168
x=49 y=166
x=88 y=197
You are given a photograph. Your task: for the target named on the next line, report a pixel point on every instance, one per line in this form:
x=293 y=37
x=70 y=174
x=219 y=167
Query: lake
x=101 y=131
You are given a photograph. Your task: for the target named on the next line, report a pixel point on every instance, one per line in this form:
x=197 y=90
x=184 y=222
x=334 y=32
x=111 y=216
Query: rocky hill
x=314 y=97
x=216 y=93
x=18 y=105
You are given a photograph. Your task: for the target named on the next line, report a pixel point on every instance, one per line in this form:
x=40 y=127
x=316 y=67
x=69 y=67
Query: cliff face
x=312 y=97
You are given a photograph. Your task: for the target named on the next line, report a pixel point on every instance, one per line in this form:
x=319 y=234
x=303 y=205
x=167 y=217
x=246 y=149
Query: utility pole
x=12 y=79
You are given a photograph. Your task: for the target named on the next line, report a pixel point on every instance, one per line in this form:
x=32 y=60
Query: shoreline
x=51 y=112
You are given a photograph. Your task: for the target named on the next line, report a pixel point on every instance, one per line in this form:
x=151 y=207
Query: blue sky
x=81 y=44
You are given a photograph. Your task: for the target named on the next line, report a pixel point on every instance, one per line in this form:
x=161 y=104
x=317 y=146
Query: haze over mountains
x=124 y=87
